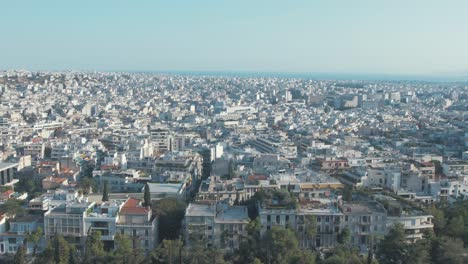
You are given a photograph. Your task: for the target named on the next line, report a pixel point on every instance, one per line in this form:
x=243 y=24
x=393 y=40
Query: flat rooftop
x=165 y=187
x=363 y=207
x=4 y=166
x=238 y=214
x=196 y=209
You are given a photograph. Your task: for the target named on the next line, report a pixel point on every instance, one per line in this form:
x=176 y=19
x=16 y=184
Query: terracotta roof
x=132 y=206
x=8 y=193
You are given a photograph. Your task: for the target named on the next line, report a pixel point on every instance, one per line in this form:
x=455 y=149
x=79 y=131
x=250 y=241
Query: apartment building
x=68 y=220
x=138 y=222
x=7 y=172
x=215 y=224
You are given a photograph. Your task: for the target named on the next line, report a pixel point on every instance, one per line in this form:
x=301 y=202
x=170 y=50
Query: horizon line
x=352 y=76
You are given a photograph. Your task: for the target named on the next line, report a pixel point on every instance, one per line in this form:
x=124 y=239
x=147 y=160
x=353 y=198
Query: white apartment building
x=218 y=225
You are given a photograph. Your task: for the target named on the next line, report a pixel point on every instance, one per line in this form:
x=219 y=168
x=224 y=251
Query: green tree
x=250 y=246
x=12 y=208
x=138 y=255
x=456 y=227
x=310 y=227
x=344 y=237
x=169 y=251
x=61 y=249
x=393 y=249
x=127 y=250
x=73 y=256
x=46 y=256
x=20 y=256
x=171 y=212
x=34 y=238
x=257 y=261
x=280 y=245
x=438 y=167
x=347 y=193
x=88 y=184
x=94 y=248
x=105 y=192
x=123 y=249
x=147 y=196
x=447 y=250
x=439 y=219
x=231 y=169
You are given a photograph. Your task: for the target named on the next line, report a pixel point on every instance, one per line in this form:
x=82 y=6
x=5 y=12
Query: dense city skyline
x=234 y=132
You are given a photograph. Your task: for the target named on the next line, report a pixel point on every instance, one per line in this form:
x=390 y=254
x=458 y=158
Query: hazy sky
x=347 y=36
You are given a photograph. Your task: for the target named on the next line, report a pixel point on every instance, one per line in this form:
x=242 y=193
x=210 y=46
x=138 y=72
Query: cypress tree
x=105 y=193
x=20 y=256
x=147 y=196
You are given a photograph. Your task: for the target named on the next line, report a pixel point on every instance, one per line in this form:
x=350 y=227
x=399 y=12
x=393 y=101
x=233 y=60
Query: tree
x=257 y=261
x=94 y=248
x=456 y=227
x=169 y=251
x=34 y=238
x=61 y=249
x=344 y=237
x=147 y=196
x=88 y=184
x=310 y=227
x=20 y=256
x=105 y=193
x=123 y=249
x=138 y=255
x=393 y=249
x=46 y=256
x=280 y=245
x=72 y=256
x=348 y=193
x=439 y=218
x=231 y=169
x=447 y=250
x=438 y=167
x=171 y=212
x=127 y=250
x=12 y=208
x=250 y=246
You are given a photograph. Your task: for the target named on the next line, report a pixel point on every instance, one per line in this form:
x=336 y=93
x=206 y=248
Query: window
x=277 y=219
x=268 y=218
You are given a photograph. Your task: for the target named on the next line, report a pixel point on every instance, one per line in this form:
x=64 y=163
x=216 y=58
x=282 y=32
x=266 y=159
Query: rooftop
x=197 y=209
x=4 y=166
x=134 y=206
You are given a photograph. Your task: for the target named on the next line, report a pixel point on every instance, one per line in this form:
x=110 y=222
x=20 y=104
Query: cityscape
x=101 y=151
x=234 y=132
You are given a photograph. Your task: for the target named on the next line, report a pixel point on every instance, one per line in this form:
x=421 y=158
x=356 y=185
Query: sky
x=318 y=36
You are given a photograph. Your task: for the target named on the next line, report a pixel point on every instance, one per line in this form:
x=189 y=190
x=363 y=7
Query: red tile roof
x=132 y=206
